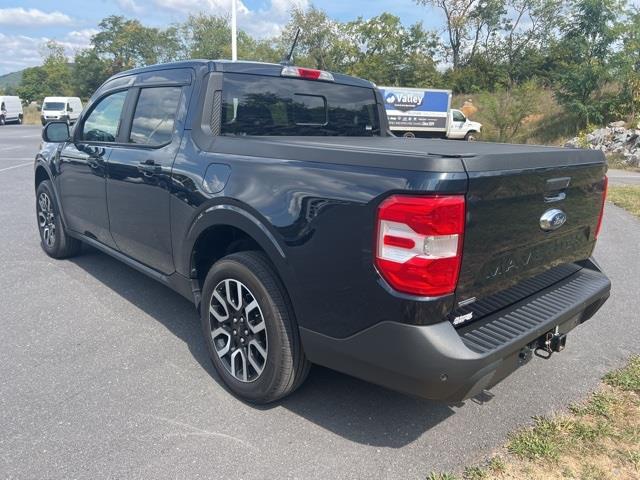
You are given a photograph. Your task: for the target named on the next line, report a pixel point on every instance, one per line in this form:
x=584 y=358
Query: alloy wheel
x=46 y=220
x=238 y=330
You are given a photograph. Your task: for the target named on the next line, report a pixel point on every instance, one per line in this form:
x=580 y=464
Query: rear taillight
x=419 y=243
x=605 y=186
x=306 y=73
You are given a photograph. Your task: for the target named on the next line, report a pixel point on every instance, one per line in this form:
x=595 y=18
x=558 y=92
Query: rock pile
x=612 y=139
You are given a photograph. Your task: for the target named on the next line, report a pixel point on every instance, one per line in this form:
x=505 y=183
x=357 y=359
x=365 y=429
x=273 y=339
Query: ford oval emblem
x=552 y=219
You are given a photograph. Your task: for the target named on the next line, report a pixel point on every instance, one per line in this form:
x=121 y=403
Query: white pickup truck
x=426 y=113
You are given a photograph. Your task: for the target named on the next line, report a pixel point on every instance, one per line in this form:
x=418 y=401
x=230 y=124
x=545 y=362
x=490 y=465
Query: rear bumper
x=441 y=363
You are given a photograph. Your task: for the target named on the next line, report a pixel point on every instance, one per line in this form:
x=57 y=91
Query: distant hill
x=11 y=80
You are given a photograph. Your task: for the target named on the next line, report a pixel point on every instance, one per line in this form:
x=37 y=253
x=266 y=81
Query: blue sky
x=26 y=24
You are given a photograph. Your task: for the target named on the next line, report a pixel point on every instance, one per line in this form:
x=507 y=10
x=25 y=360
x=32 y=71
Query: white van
x=60 y=108
x=10 y=109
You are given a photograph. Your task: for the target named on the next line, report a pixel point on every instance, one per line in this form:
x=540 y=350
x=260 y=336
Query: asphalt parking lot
x=103 y=374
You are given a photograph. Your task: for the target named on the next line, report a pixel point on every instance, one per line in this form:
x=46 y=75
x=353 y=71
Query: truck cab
x=461 y=128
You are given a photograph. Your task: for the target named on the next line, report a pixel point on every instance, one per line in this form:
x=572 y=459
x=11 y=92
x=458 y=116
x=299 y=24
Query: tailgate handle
x=555 y=189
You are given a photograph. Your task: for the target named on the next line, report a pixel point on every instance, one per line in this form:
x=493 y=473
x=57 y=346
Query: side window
x=458 y=117
x=155 y=115
x=103 y=122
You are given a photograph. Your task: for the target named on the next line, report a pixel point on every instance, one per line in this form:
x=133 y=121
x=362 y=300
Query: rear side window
x=155 y=115
x=262 y=105
x=103 y=122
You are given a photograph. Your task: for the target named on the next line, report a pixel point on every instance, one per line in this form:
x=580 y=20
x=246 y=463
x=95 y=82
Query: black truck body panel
x=310 y=204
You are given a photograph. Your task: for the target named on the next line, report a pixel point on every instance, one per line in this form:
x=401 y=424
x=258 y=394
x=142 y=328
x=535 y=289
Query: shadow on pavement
x=356 y=410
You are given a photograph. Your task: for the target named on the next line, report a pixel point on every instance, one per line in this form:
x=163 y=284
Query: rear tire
x=250 y=329
x=53 y=238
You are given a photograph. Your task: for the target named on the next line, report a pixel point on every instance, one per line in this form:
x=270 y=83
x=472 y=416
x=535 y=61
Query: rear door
x=508 y=195
x=139 y=180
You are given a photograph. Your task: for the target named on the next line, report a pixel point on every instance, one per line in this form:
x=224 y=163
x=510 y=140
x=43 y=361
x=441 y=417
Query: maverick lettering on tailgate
x=529 y=259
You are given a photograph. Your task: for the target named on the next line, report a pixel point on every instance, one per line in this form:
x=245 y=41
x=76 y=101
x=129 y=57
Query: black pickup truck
x=275 y=198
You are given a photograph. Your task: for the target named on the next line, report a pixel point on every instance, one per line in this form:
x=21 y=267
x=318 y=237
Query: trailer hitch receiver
x=550 y=342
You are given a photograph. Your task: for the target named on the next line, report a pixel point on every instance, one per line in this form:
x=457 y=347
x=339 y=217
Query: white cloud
x=21 y=51
x=32 y=17
x=261 y=23
x=130 y=6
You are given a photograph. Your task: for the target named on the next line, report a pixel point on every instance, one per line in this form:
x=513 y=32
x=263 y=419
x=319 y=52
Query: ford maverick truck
x=275 y=198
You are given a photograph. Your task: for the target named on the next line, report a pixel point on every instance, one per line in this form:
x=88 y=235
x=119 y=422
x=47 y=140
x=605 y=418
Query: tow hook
x=550 y=342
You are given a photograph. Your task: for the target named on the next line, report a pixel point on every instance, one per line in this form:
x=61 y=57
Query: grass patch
x=543 y=441
x=628 y=378
x=31 y=115
x=598 y=439
x=627 y=197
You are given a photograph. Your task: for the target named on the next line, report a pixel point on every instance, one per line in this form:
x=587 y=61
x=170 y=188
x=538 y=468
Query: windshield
x=262 y=105
x=53 y=106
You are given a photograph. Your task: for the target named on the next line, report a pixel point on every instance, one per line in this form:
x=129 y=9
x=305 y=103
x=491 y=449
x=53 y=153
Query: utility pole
x=234 y=32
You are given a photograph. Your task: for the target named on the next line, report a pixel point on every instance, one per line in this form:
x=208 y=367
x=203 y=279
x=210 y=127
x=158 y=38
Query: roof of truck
x=239 y=66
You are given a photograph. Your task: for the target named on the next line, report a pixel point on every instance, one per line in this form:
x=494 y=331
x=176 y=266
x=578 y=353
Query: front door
x=458 y=121
x=82 y=168
x=139 y=176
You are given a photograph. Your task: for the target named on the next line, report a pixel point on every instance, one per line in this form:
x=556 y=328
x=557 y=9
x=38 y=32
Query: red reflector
x=309 y=73
x=306 y=73
x=605 y=187
x=399 y=241
x=419 y=243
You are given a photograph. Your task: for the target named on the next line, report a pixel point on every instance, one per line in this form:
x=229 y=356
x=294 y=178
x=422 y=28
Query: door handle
x=149 y=168
x=556 y=189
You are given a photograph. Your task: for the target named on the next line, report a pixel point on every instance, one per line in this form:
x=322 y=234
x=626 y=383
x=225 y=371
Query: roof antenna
x=286 y=61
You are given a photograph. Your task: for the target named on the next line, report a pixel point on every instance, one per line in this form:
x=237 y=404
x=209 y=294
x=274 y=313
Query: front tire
x=471 y=136
x=3 y=121
x=20 y=119
x=250 y=329
x=53 y=238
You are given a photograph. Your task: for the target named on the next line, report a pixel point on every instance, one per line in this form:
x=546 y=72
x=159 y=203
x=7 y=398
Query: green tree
x=503 y=112
x=390 y=54
x=585 y=51
x=57 y=69
x=209 y=36
x=52 y=78
x=323 y=42
x=628 y=65
x=89 y=72
x=33 y=85
x=126 y=43
x=469 y=24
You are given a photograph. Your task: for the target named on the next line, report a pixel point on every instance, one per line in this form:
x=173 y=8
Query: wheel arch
x=41 y=175
x=224 y=229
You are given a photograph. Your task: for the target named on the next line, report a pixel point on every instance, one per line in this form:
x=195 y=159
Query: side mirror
x=69 y=109
x=56 y=132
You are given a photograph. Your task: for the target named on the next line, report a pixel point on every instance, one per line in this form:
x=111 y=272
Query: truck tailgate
x=504 y=242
